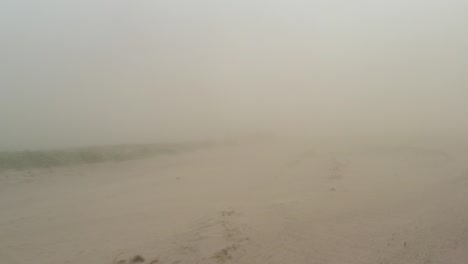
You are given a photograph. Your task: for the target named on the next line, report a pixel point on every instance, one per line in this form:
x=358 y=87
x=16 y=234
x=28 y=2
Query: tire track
x=214 y=239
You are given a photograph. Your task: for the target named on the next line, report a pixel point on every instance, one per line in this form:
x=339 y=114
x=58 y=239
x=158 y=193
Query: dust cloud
x=80 y=73
x=223 y=132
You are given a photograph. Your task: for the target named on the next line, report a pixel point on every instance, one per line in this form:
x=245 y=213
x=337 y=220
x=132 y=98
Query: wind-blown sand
x=252 y=203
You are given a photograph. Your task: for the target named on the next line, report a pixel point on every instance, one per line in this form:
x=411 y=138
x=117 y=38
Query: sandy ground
x=250 y=203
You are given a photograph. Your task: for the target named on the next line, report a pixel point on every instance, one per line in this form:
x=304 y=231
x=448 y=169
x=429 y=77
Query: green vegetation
x=23 y=160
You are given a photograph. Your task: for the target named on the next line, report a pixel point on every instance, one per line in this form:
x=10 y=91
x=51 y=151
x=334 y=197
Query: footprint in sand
x=337 y=168
x=196 y=246
x=225 y=254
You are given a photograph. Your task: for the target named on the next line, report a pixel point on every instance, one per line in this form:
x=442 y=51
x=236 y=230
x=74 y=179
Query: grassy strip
x=24 y=160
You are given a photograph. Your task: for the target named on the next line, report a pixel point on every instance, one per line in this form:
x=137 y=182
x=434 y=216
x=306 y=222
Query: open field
x=278 y=202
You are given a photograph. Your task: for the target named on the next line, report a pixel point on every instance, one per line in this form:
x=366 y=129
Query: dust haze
x=79 y=73
x=248 y=131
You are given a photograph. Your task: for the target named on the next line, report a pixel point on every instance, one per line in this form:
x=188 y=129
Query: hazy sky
x=124 y=71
